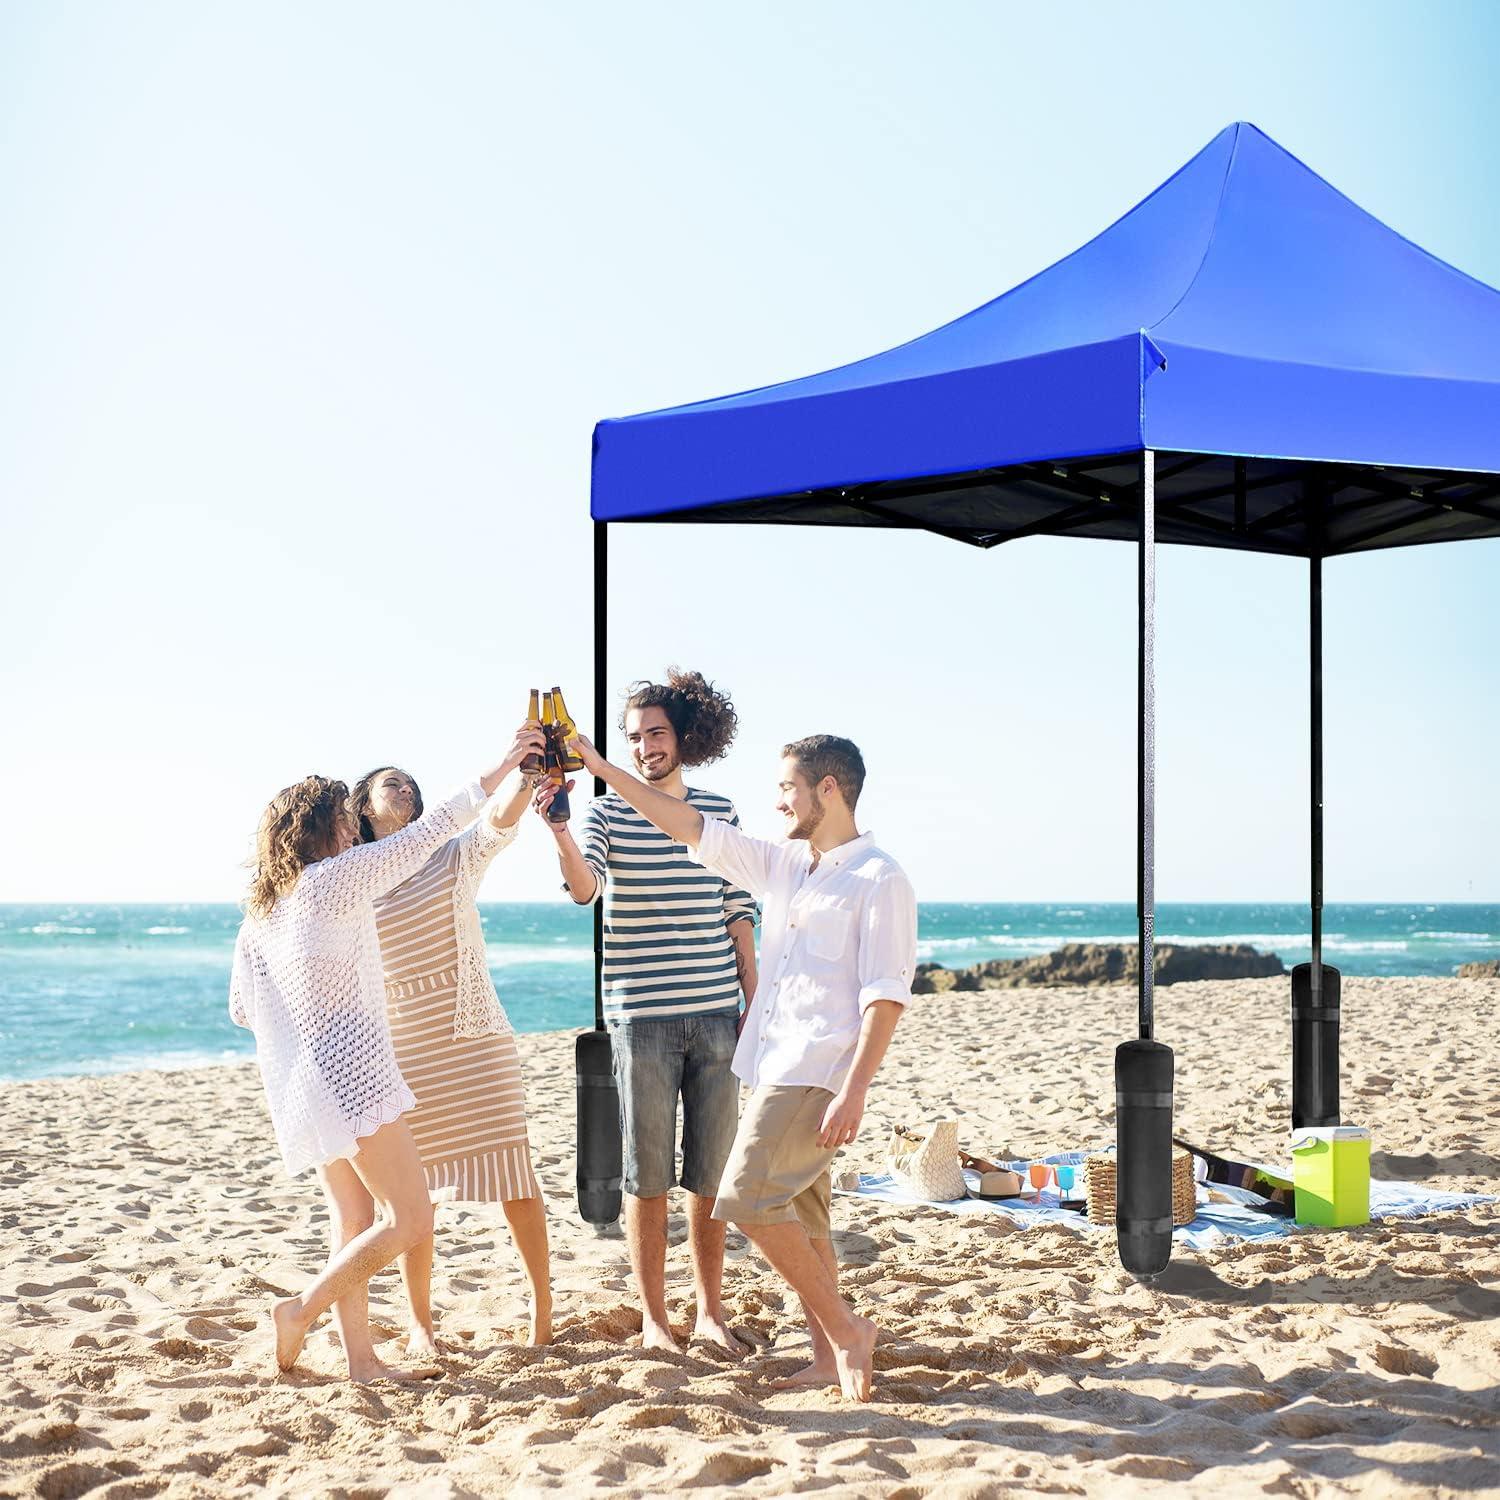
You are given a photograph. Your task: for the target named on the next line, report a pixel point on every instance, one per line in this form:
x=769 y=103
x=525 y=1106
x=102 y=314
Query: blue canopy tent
x=1246 y=359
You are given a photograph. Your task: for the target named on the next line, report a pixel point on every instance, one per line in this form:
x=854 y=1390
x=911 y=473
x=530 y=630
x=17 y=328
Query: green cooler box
x=1331 y=1172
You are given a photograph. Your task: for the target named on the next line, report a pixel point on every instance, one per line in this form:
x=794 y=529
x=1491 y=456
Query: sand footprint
x=1403 y=1361
x=729 y=1468
x=189 y=1351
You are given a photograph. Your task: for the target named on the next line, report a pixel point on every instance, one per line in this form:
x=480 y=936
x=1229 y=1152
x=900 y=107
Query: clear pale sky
x=308 y=312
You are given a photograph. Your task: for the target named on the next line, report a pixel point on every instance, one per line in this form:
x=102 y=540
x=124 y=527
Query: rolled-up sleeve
x=593 y=842
x=888 y=943
x=739 y=906
x=733 y=854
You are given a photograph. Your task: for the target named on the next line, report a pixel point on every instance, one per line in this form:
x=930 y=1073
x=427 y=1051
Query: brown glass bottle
x=566 y=729
x=533 y=765
x=558 y=810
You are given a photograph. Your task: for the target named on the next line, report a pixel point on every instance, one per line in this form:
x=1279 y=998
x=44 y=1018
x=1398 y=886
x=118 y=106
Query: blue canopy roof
x=1246 y=311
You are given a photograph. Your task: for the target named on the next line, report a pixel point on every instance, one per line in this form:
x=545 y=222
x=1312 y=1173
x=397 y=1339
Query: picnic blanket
x=1214 y=1223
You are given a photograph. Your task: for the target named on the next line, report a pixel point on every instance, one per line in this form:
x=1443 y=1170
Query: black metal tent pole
x=1315 y=986
x=1145 y=833
x=600 y=1150
x=1143 y=1067
x=601 y=729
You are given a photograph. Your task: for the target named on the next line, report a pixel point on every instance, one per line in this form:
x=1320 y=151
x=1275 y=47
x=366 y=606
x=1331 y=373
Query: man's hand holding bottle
x=583 y=748
x=549 y=789
x=546 y=792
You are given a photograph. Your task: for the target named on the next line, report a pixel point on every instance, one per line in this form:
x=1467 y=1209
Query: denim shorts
x=657 y=1061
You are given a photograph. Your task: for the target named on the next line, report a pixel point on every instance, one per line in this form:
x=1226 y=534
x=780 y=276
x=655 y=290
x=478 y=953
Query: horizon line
x=925 y=901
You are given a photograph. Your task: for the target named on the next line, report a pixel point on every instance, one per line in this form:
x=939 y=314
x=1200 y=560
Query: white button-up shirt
x=833 y=940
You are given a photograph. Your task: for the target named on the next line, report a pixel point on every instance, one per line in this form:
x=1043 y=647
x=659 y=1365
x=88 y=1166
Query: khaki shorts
x=777 y=1172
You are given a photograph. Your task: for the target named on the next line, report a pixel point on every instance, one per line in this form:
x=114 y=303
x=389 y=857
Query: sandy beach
x=146 y=1224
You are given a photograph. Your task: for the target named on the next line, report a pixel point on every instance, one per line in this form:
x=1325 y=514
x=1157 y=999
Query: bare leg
x=646 y=1236
x=416 y=1276
x=351 y=1211
x=389 y=1167
x=706 y=1241
x=790 y=1251
x=822 y=1370
x=527 y=1218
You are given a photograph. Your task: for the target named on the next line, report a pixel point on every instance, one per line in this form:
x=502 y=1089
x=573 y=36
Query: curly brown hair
x=702 y=717
x=296 y=830
x=359 y=801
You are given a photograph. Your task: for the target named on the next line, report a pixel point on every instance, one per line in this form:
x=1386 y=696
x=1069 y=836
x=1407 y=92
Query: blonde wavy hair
x=296 y=830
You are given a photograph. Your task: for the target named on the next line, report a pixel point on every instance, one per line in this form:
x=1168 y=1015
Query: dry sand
x=146 y=1224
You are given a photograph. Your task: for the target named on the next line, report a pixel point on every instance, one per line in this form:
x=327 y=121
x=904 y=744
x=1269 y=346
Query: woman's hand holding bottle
x=528 y=741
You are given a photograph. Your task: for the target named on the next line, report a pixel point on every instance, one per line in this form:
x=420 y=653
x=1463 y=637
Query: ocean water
x=107 y=989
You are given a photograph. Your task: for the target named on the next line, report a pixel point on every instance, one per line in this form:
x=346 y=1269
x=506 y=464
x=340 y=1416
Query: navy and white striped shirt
x=667 y=950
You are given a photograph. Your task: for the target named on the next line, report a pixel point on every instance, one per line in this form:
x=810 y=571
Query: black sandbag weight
x=1143 y=1171
x=1315 y=1048
x=600 y=1146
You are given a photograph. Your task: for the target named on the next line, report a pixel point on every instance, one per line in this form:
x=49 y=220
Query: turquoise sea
x=106 y=989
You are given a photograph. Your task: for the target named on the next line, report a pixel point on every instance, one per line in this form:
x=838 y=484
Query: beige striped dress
x=470 y=1118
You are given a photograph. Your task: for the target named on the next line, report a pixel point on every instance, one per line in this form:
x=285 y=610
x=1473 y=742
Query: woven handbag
x=924 y=1162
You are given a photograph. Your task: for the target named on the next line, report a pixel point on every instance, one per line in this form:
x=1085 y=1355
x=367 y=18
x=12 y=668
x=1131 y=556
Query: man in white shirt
x=839 y=940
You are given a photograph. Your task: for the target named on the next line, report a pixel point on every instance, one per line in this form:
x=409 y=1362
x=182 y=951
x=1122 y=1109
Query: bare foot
x=286 y=1318
x=421 y=1343
x=659 y=1336
x=819 y=1372
x=856 y=1362
x=716 y=1331
x=540 y=1330
x=372 y=1368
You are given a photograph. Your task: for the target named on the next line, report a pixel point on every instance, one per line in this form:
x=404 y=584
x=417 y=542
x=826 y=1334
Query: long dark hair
x=359 y=800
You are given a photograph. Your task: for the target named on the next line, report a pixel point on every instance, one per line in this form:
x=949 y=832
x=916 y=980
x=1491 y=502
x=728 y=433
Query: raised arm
x=716 y=844
x=677 y=819
x=505 y=812
x=367 y=871
x=496 y=827
x=370 y=870
x=583 y=868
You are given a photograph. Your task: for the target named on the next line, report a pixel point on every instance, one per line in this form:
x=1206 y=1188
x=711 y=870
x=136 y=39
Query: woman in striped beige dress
x=454 y=1044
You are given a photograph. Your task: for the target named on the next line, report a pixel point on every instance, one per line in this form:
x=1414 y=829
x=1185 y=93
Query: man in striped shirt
x=679 y=949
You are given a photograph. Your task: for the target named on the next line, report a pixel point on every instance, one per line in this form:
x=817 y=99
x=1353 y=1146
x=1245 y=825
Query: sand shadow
x=1385 y=1166
x=1185 y=1279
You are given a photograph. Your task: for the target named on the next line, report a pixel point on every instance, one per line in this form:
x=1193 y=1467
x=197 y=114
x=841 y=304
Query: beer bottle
x=566 y=729
x=558 y=810
x=533 y=765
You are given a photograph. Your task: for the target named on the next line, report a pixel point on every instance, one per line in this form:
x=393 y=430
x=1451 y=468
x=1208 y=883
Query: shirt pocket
x=828 y=929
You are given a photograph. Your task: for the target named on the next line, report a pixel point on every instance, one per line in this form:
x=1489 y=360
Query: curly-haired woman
x=307 y=981
x=453 y=1042
x=679 y=947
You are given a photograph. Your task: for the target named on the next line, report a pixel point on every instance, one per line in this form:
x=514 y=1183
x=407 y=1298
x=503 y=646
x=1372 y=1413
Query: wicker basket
x=1099 y=1188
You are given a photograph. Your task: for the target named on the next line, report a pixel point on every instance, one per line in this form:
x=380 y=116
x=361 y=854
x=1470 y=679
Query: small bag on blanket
x=924 y=1162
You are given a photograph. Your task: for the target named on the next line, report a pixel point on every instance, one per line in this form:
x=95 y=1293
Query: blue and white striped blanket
x=1215 y=1222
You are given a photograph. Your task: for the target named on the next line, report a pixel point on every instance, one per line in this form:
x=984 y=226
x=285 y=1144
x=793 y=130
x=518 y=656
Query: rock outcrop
x=1484 y=968
x=1093 y=964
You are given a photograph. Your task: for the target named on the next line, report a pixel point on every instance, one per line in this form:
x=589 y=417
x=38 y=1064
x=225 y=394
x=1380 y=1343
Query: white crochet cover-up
x=308 y=982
